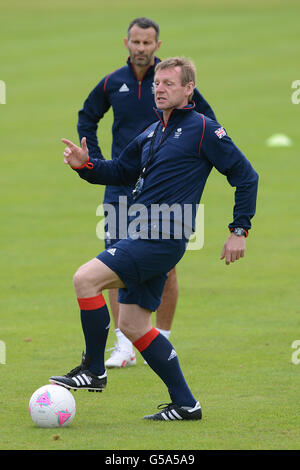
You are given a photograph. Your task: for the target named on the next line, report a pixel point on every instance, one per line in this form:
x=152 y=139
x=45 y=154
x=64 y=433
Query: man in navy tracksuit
x=169 y=164
x=129 y=91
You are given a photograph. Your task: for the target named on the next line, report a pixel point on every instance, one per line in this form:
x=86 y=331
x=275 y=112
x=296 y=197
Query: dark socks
x=162 y=358
x=95 y=323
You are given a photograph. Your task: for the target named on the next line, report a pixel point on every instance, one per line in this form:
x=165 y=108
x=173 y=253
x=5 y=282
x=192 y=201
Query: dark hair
x=144 y=23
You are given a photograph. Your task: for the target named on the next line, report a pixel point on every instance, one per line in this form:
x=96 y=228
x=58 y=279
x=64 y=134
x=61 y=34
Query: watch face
x=239 y=231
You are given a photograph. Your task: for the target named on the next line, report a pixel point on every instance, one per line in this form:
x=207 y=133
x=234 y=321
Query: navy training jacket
x=132 y=102
x=185 y=151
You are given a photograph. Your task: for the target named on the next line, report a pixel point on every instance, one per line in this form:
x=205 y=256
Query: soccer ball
x=52 y=406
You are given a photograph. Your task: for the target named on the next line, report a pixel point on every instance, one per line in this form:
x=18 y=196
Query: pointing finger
x=69 y=143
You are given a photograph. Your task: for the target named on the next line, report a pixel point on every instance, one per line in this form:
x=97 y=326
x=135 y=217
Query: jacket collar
x=175 y=113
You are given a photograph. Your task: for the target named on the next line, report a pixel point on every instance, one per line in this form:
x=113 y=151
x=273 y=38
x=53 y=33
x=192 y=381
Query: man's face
x=169 y=92
x=142 y=46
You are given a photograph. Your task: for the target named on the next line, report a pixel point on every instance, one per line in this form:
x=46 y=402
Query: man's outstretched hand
x=75 y=156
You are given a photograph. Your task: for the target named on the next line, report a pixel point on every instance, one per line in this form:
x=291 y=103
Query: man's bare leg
x=135 y=322
x=166 y=311
x=159 y=353
x=89 y=282
x=93 y=277
x=123 y=355
x=114 y=305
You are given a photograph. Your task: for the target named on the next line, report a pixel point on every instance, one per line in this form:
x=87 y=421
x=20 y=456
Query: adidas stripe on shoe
x=84 y=380
x=81 y=378
x=172 y=412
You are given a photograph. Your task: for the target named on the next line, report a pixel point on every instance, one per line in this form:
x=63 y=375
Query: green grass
x=234 y=325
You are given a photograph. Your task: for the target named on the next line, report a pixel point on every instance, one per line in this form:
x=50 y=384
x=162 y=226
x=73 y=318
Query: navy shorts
x=143 y=266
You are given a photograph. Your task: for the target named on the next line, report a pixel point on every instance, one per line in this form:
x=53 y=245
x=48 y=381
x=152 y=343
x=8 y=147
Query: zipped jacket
x=132 y=102
x=184 y=151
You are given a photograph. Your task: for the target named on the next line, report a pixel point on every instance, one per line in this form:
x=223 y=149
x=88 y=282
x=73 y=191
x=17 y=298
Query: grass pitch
x=235 y=325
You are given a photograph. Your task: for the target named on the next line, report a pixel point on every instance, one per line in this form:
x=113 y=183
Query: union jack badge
x=220 y=132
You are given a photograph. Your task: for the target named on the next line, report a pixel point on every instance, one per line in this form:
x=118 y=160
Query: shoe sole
x=69 y=387
x=152 y=418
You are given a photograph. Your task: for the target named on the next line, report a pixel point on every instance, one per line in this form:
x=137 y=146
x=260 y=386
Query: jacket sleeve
x=94 y=108
x=120 y=171
x=202 y=106
x=218 y=147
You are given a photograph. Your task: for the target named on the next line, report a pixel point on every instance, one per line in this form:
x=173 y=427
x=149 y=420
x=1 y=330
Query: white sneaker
x=120 y=358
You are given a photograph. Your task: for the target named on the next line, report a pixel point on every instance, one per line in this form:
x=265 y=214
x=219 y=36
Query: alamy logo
x=2 y=353
x=296 y=354
x=123 y=88
x=2 y=92
x=157 y=221
x=296 y=94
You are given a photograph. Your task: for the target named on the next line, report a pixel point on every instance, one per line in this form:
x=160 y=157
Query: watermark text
x=156 y=221
x=296 y=93
x=2 y=352
x=296 y=353
x=2 y=92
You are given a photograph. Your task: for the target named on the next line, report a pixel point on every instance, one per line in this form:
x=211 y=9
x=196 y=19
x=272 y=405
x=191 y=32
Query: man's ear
x=190 y=88
x=126 y=42
x=158 y=45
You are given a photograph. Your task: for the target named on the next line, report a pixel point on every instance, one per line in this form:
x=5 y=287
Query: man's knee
x=134 y=321
x=127 y=328
x=78 y=279
x=93 y=277
x=87 y=281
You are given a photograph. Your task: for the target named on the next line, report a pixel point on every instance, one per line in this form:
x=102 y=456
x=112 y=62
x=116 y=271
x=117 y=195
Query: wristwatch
x=239 y=232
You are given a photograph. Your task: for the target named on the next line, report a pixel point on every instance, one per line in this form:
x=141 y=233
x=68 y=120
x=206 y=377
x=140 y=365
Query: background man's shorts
x=113 y=231
x=143 y=266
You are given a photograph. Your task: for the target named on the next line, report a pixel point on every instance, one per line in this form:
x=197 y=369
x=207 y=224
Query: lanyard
x=140 y=182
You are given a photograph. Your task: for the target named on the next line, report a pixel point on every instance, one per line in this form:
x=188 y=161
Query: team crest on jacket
x=178 y=133
x=220 y=132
